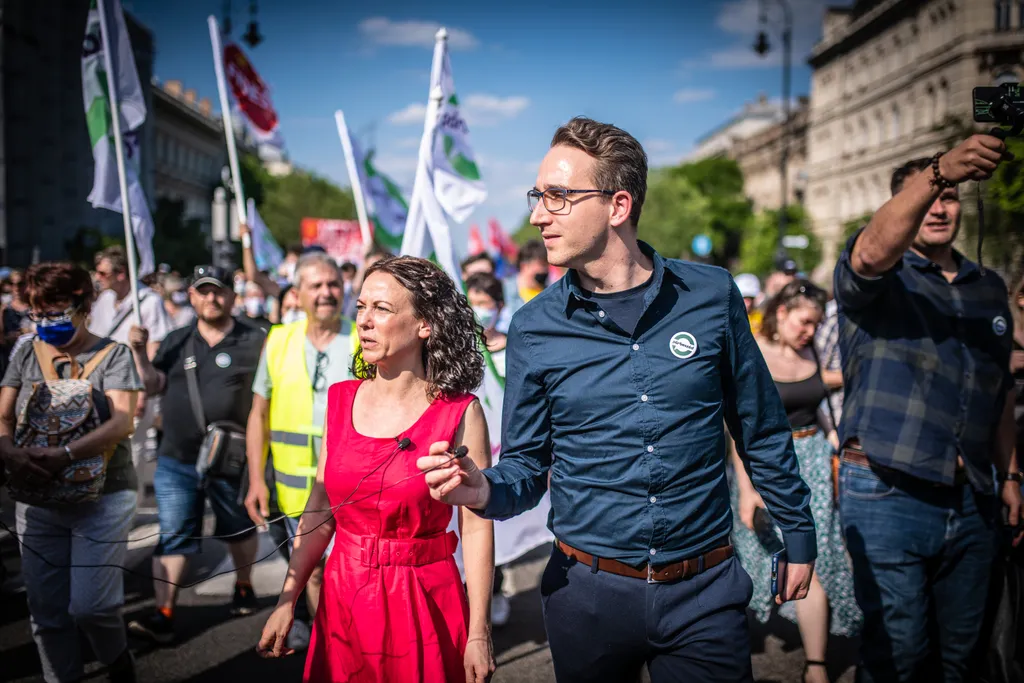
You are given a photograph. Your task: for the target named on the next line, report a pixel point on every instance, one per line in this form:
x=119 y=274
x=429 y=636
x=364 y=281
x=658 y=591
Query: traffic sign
x=701 y=245
x=795 y=241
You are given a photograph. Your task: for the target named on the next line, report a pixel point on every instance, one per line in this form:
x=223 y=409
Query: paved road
x=214 y=648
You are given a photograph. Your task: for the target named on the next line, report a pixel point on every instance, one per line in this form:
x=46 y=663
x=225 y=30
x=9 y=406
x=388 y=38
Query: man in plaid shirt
x=927 y=429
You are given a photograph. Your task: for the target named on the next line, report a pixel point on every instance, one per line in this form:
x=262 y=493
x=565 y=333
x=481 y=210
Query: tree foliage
x=283 y=201
x=177 y=241
x=757 y=253
x=674 y=212
x=525 y=232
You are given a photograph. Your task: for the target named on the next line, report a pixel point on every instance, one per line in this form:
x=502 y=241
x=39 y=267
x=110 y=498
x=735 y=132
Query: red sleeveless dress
x=393 y=607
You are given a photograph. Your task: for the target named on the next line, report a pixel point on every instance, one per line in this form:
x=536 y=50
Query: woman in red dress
x=393 y=606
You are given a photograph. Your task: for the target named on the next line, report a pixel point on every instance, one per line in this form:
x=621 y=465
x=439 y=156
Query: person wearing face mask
x=530 y=280
x=65 y=601
x=487 y=297
x=290 y=307
x=176 y=302
x=786 y=340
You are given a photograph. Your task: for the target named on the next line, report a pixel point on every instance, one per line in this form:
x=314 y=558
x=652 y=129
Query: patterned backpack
x=57 y=413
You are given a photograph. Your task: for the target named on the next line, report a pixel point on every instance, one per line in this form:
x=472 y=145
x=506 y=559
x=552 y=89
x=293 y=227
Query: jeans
x=180 y=505
x=605 y=627
x=62 y=600
x=922 y=556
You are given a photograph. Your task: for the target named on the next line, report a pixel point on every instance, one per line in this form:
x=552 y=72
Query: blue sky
x=666 y=71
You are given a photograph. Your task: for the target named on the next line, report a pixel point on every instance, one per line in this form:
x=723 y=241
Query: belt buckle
x=651 y=578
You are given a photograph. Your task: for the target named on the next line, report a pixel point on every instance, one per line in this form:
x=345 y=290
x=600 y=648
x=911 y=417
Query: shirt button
x=644 y=398
x=650 y=449
x=653 y=551
x=600 y=314
x=654 y=499
x=636 y=347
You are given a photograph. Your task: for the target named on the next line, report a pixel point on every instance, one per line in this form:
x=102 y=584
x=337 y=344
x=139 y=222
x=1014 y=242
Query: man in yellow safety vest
x=300 y=361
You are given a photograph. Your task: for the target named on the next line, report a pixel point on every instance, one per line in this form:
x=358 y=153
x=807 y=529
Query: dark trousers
x=604 y=627
x=922 y=557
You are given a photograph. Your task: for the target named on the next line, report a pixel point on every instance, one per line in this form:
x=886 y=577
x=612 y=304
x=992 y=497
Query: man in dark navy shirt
x=619 y=379
x=925 y=338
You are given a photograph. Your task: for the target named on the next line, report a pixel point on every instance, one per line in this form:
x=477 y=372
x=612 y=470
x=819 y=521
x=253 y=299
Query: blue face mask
x=56 y=334
x=486 y=317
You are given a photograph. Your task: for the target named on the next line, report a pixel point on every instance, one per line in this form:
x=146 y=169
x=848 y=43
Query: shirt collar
x=573 y=292
x=965 y=267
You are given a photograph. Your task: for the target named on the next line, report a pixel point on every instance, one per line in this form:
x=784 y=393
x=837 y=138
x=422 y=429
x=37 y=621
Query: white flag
x=106 y=193
x=384 y=201
x=456 y=176
x=265 y=249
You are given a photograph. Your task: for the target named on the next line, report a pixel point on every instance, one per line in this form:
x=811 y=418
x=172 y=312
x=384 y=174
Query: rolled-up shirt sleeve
x=758 y=423
x=519 y=479
x=854 y=291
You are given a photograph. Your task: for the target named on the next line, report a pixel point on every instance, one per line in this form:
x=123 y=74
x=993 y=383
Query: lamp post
x=761 y=47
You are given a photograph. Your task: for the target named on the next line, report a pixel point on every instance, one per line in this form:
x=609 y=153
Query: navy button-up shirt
x=926 y=365
x=631 y=425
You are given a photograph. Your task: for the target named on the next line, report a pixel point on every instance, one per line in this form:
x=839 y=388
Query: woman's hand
x=22 y=466
x=275 y=633
x=53 y=460
x=750 y=501
x=479 y=659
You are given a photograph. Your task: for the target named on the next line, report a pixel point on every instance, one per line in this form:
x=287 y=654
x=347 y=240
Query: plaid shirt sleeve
x=853 y=291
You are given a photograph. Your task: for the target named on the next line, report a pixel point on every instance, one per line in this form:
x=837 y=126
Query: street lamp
x=761 y=47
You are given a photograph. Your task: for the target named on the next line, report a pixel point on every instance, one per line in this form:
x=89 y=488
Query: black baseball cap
x=211 y=275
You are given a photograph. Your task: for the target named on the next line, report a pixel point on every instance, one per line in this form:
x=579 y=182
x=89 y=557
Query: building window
x=894 y=132
x=1002 y=15
x=942 y=103
x=1020 y=15
x=880 y=128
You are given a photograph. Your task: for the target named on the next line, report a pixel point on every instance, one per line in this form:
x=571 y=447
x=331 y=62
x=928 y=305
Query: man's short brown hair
x=621 y=160
x=117 y=256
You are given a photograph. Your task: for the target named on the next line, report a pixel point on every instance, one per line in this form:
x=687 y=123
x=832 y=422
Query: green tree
x=675 y=211
x=177 y=241
x=283 y=201
x=81 y=248
x=852 y=226
x=525 y=232
x=757 y=253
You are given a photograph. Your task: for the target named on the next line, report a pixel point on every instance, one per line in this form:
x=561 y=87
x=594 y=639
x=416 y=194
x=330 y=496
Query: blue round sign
x=701 y=245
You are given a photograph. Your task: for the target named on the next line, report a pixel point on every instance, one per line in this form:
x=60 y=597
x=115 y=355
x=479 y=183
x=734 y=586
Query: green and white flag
x=106 y=193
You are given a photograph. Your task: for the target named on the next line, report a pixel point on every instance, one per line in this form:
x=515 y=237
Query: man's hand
x=53 y=460
x=973 y=159
x=456 y=481
x=749 y=503
x=257 y=502
x=138 y=337
x=798 y=581
x=1012 y=499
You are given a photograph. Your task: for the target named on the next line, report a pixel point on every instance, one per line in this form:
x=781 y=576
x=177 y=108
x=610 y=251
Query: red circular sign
x=250 y=91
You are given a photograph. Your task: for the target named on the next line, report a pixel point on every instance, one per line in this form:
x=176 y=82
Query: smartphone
x=764 y=529
x=778 y=571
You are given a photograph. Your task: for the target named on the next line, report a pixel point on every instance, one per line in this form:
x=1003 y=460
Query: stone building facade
x=759 y=157
x=755 y=117
x=892 y=80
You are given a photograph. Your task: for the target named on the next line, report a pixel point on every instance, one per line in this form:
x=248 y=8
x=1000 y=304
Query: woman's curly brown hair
x=795 y=293
x=451 y=354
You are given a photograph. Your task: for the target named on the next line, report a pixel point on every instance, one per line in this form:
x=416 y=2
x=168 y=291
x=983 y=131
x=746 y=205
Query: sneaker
x=244 y=601
x=501 y=610
x=155 y=626
x=298 y=636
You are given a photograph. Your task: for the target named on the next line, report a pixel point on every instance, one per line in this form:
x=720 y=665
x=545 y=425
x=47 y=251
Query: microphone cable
x=460 y=452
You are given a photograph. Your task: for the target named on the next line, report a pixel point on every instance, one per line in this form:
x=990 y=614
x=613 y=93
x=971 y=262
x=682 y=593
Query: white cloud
x=413 y=33
x=488 y=110
x=408 y=143
x=687 y=95
x=414 y=113
x=479 y=110
x=743 y=57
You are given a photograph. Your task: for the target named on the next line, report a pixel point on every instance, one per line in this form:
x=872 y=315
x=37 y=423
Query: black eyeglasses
x=53 y=316
x=320 y=375
x=555 y=198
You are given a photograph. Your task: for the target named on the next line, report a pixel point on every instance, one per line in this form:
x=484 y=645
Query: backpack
x=57 y=413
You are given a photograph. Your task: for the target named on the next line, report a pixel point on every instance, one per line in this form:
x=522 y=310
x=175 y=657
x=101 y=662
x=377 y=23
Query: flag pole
x=122 y=178
x=225 y=109
x=353 y=175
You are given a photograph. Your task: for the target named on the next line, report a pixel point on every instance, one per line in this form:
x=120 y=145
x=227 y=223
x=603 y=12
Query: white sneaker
x=501 y=610
x=298 y=636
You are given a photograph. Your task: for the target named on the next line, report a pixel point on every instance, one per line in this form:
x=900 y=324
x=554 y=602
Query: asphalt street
x=213 y=647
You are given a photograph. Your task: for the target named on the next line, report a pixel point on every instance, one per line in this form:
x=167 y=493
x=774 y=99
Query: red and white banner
x=251 y=93
x=342 y=239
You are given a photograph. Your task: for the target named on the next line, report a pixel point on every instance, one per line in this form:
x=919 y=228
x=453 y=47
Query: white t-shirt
x=107 y=313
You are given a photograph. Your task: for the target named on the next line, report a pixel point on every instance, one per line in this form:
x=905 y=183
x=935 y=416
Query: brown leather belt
x=804 y=432
x=853 y=454
x=686 y=569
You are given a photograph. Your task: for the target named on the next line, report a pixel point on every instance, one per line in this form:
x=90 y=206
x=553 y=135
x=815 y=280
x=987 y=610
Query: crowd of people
x=711 y=445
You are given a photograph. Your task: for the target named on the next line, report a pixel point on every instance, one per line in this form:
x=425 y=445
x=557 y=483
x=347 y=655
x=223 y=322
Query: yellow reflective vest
x=291 y=417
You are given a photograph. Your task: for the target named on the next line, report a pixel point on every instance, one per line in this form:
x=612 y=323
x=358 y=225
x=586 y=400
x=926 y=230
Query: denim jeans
x=922 y=556
x=64 y=599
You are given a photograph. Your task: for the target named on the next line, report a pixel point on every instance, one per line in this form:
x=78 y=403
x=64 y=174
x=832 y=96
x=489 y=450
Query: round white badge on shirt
x=999 y=325
x=682 y=345
x=222 y=360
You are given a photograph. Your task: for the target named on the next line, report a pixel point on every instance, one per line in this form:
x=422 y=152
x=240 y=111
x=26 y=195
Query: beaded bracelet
x=937 y=179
